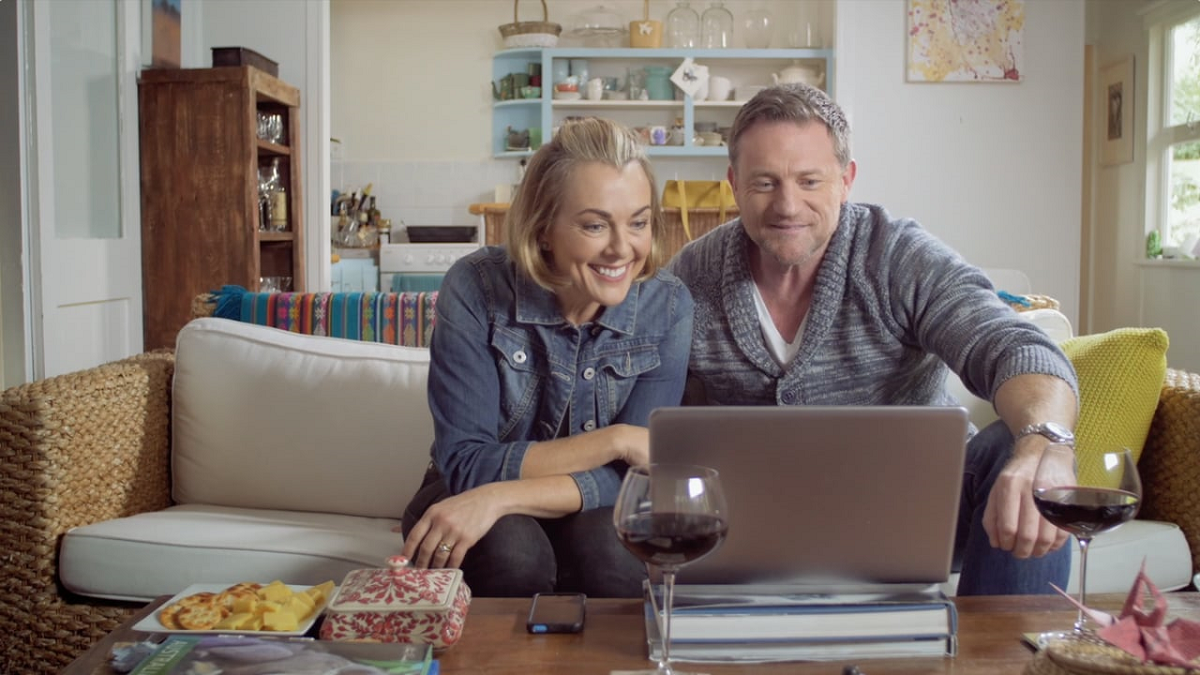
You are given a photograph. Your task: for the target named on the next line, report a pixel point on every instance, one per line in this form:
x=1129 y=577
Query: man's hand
x=1011 y=519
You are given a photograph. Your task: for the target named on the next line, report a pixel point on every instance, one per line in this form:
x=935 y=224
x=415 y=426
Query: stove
x=418 y=267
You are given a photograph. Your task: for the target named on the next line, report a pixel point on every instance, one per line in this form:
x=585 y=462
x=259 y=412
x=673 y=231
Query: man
x=810 y=299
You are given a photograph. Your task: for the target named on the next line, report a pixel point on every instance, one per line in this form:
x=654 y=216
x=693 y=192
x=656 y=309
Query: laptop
x=838 y=497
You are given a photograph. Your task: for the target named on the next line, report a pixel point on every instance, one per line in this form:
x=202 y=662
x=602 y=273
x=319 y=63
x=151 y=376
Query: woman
x=548 y=356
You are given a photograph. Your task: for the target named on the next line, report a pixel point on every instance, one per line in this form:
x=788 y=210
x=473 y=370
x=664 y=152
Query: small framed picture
x=1116 y=122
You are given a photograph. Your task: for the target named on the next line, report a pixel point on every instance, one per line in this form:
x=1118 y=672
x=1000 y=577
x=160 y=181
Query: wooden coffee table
x=495 y=641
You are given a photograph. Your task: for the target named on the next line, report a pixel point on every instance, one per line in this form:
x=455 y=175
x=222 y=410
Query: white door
x=84 y=229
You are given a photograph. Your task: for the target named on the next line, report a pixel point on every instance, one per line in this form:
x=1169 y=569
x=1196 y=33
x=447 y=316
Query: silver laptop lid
x=824 y=495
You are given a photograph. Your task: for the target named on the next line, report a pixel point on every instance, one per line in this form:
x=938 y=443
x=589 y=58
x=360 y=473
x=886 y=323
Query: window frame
x=1161 y=135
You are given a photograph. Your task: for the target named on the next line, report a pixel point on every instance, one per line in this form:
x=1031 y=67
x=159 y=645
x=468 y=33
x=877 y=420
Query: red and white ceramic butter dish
x=399 y=604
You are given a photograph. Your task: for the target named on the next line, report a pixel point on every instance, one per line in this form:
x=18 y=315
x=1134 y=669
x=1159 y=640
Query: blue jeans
x=523 y=555
x=986 y=570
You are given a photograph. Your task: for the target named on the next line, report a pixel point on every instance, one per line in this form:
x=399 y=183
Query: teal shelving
x=743 y=66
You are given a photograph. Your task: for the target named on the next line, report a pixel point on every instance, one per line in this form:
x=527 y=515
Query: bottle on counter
x=373 y=214
x=279 y=210
x=385 y=231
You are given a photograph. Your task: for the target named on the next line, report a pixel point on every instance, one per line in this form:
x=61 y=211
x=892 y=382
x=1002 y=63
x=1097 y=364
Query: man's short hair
x=539 y=197
x=793 y=102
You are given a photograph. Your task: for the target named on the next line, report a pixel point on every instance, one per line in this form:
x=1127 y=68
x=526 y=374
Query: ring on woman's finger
x=445 y=548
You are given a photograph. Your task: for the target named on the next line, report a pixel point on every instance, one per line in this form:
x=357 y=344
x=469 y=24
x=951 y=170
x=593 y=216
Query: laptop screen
x=824 y=495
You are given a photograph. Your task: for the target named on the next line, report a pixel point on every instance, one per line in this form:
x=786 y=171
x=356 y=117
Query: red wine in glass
x=1084 y=511
x=1098 y=499
x=669 y=515
x=672 y=538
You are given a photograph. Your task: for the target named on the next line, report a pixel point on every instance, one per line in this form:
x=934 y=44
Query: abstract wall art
x=965 y=40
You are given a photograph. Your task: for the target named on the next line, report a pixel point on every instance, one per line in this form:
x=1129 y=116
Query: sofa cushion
x=263 y=418
x=1120 y=378
x=162 y=552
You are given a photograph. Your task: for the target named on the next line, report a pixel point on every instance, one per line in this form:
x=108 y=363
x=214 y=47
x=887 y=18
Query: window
x=1173 y=147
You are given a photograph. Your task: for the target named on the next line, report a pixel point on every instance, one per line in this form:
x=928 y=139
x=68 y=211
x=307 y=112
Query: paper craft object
x=1141 y=633
x=690 y=77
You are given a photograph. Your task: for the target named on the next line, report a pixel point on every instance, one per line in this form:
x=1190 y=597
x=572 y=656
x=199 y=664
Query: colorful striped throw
x=392 y=318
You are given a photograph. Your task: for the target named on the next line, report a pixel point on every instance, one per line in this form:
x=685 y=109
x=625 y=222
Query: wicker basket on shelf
x=519 y=33
x=700 y=221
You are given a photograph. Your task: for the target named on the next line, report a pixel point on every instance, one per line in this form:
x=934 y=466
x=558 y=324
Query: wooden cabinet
x=201 y=219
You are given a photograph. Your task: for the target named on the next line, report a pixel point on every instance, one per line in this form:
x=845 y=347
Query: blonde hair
x=539 y=197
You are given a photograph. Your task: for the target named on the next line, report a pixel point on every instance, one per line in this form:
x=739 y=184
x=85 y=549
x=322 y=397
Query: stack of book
x=752 y=624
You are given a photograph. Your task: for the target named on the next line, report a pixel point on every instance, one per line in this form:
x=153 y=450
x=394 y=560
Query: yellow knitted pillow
x=1120 y=377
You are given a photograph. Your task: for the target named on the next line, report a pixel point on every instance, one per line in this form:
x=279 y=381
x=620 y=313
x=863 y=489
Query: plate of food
x=244 y=608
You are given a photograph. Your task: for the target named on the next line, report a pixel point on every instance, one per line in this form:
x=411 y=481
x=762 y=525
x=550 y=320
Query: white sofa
x=294 y=456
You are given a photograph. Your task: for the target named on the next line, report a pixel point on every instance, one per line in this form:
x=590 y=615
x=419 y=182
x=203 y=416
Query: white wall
x=412 y=101
x=992 y=169
x=411 y=79
x=1128 y=290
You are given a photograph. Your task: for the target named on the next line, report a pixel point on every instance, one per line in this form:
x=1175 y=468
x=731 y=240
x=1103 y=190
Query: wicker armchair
x=76 y=449
x=94 y=445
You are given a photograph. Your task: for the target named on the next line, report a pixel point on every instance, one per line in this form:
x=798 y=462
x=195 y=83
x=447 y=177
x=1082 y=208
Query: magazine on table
x=254 y=655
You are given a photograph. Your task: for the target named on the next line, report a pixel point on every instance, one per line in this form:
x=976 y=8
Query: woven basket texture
x=1170 y=463
x=1092 y=658
x=204 y=305
x=1035 y=302
x=519 y=33
x=74 y=449
x=700 y=222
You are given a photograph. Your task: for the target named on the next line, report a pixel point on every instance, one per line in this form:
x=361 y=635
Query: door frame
x=38 y=171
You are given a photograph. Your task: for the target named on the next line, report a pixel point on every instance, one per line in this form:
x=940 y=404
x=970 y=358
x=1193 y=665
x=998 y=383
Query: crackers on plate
x=246 y=606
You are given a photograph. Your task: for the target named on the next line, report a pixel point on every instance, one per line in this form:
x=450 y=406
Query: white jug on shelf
x=799 y=73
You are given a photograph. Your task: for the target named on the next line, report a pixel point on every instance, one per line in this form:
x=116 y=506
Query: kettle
x=799 y=73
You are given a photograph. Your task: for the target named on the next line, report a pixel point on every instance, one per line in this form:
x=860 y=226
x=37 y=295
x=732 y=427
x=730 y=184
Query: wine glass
x=1099 y=500
x=669 y=515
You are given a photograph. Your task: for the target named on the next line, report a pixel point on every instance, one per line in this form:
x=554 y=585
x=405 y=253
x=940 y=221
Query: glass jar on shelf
x=682 y=26
x=716 y=27
x=759 y=29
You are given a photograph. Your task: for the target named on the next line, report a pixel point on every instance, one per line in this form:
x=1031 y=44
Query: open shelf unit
x=200 y=158
x=745 y=67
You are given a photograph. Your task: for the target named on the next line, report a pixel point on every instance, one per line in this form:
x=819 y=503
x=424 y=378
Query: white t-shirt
x=781 y=349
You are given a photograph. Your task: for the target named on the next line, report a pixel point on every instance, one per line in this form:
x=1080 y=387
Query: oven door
x=412 y=268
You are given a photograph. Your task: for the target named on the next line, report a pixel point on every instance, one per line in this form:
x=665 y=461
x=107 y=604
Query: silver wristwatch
x=1056 y=432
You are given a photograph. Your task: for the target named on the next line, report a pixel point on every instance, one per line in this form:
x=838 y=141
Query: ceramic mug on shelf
x=595 y=89
x=719 y=88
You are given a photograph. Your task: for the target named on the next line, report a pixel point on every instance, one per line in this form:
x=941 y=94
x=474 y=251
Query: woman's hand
x=633 y=442
x=451 y=527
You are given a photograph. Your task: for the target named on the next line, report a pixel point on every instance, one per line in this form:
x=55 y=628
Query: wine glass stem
x=668 y=582
x=1083 y=551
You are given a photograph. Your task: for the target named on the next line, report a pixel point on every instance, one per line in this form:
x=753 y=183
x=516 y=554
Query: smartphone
x=556 y=613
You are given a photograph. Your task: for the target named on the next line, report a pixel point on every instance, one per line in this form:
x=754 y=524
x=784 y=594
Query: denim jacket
x=507 y=370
